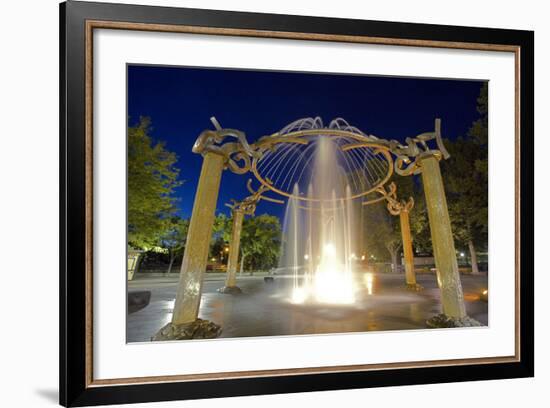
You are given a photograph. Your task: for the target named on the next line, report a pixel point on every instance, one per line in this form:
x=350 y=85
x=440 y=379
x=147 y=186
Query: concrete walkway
x=264 y=309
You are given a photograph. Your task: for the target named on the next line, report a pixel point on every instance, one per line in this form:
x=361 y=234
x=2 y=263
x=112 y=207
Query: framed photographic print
x=256 y=203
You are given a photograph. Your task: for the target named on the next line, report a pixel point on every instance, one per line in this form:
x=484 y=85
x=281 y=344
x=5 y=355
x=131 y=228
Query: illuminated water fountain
x=317 y=248
x=326 y=172
x=319 y=228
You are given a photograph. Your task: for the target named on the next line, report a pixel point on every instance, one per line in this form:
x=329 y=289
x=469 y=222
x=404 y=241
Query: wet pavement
x=264 y=309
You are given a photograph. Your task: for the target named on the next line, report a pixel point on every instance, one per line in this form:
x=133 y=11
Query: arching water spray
x=318 y=236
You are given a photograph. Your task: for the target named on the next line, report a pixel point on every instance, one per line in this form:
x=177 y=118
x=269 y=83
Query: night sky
x=181 y=100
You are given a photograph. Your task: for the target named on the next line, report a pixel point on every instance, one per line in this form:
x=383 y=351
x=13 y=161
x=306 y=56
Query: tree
x=467 y=196
x=382 y=231
x=260 y=242
x=420 y=224
x=152 y=179
x=478 y=132
x=174 y=239
x=407 y=187
x=383 y=234
x=221 y=235
x=222 y=227
x=466 y=182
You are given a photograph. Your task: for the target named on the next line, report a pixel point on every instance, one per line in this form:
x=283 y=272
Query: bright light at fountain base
x=330 y=287
x=331 y=294
x=299 y=296
x=332 y=282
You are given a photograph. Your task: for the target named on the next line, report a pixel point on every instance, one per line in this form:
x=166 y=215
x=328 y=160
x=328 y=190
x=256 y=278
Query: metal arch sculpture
x=248 y=205
x=394 y=206
x=417 y=147
x=286 y=158
x=402 y=209
x=416 y=157
x=211 y=141
x=241 y=156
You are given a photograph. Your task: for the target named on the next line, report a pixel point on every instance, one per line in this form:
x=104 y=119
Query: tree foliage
x=222 y=228
x=382 y=230
x=407 y=187
x=465 y=176
x=152 y=178
x=260 y=242
x=382 y=235
x=221 y=235
x=466 y=179
x=174 y=238
x=175 y=235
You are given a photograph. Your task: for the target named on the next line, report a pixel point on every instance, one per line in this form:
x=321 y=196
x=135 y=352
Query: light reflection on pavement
x=263 y=309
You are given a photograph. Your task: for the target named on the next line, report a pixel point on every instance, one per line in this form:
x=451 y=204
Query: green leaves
x=261 y=242
x=175 y=236
x=382 y=236
x=152 y=178
x=465 y=175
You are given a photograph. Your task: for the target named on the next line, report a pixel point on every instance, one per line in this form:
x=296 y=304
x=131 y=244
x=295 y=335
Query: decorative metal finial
x=248 y=204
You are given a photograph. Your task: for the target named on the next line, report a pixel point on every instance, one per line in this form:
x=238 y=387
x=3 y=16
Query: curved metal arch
x=377 y=147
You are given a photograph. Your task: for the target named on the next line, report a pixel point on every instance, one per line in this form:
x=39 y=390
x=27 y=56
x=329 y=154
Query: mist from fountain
x=319 y=234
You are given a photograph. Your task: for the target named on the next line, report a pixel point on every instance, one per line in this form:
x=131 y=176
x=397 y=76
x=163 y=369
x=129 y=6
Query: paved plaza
x=264 y=309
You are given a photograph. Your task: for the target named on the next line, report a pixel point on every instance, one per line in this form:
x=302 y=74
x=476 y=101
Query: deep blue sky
x=181 y=100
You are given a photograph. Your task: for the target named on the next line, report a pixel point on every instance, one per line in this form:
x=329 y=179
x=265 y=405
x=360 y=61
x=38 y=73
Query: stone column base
x=442 y=321
x=414 y=287
x=230 y=290
x=198 y=329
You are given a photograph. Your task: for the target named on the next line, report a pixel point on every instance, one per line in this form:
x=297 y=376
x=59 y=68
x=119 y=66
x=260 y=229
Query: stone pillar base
x=442 y=321
x=198 y=329
x=415 y=287
x=230 y=290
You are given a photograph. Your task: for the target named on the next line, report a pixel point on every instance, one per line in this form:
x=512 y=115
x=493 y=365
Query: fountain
x=322 y=171
x=319 y=230
x=326 y=172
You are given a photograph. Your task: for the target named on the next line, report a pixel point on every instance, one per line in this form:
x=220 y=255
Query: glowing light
x=363 y=257
x=299 y=295
x=485 y=292
x=318 y=245
x=329 y=251
x=369 y=280
x=462 y=254
x=333 y=283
